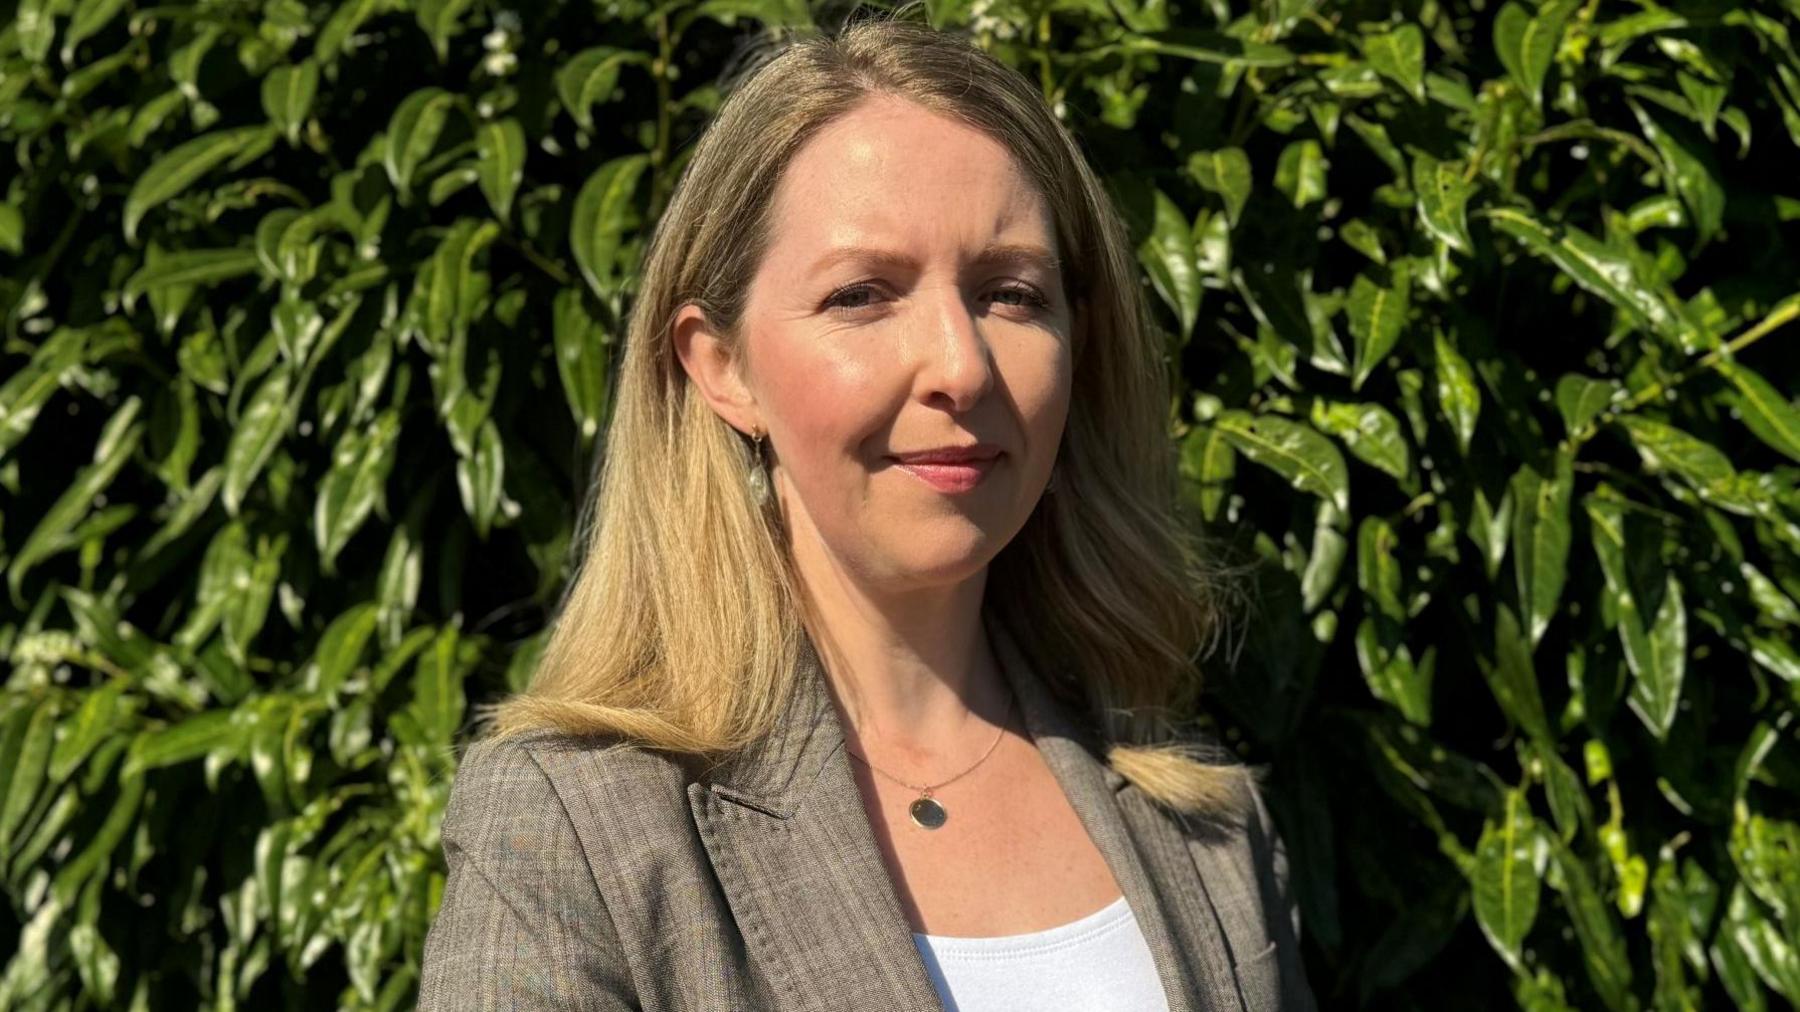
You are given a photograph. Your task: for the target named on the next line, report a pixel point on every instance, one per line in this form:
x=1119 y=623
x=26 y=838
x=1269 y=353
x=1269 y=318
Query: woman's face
x=909 y=302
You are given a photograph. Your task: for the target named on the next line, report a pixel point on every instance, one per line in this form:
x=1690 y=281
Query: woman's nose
x=958 y=364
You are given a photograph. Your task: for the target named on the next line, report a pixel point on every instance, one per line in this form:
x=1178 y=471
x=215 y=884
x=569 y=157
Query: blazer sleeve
x=522 y=924
x=1283 y=910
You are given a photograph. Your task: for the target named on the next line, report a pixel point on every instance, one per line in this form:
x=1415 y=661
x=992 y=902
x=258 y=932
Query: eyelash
x=1032 y=299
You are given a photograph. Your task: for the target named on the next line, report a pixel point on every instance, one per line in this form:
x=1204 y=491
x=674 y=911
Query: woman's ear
x=713 y=370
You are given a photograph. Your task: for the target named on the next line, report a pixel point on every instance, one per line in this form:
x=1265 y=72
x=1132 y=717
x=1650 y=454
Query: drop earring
x=758 y=477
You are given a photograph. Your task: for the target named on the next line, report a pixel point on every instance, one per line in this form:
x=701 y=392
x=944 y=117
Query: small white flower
x=499 y=64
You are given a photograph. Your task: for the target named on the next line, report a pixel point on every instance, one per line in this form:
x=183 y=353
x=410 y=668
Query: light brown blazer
x=628 y=880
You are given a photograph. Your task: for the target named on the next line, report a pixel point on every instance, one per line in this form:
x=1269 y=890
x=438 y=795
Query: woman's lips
x=949 y=478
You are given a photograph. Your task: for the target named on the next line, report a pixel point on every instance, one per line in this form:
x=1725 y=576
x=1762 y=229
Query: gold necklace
x=928 y=812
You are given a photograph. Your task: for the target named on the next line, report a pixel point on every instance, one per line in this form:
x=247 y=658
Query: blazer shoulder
x=603 y=790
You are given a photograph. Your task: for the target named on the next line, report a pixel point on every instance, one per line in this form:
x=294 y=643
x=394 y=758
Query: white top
x=1098 y=963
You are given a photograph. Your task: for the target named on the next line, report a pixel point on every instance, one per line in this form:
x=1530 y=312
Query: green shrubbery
x=308 y=314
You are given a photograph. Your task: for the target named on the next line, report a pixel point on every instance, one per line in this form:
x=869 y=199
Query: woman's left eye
x=1029 y=296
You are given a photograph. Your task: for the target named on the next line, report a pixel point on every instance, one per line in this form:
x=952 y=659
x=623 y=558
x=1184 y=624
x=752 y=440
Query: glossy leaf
x=500 y=146
x=1168 y=257
x=1399 y=55
x=413 y=132
x=1227 y=173
x=581 y=360
x=1505 y=884
x=1540 y=540
x=1377 y=311
x=175 y=171
x=287 y=96
x=1527 y=42
x=1293 y=450
x=1369 y=431
x=600 y=218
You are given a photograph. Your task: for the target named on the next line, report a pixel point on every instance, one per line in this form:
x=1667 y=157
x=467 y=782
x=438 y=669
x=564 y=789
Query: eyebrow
x=997 y=255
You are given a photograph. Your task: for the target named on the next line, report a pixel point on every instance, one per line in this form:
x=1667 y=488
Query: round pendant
x=928 y=813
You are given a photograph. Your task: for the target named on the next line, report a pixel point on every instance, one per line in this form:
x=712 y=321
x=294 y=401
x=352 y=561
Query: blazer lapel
x=1146 y=850
x=784 y=826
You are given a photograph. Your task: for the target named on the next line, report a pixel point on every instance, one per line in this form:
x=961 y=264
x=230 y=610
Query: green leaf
x=1300 y=172
x=355 y=485
x=1458 y=394
x=345 y=19
x=287 y=96
x=341 y=647
x=1443 y=198
x=479 y=478
x=103 y=710
x=1291 y=449
x=191 y=267
x=175 y=171
x=1673 y=936
x=71 y=877
x=441 y=20
x=1540 y=539
x=1608 y=966
x=1208 y=47
x=57 y=530
x=209 y=732
x=261 y=428
x=1392 y=676
x=589 y=79
x=603 y=212
x=438 y=697
x=1580 y=399
x=581 y=360
x=1208 y=463
x=449 y=286
x=1377 y=572
x=1656 y=691
x=24 y=393
x=1692 y=171
x=1766 y=852
x=1225 y=172
x=1505 y=883
x=412 y=133
x=1368 y=430
x=1527 y=43
x=1399 y=56
x=1763 y=409
x=1655 y=649
x=1666 y=449
x=1377 y=312
x=1323 y=562
x=246 y=608
x=1513 y=678
x=1762 y=943
x=26 y=773
x=1599 y=268
x=1168 y=256
x=89 y=18
x=500 y=148
x=12 y=229
x=1362 y=237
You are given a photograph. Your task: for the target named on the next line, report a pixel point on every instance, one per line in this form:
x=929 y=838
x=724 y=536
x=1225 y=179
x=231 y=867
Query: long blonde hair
x=682 y=629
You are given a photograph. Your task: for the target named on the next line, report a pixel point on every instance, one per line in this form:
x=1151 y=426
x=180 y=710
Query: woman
x=861 y=697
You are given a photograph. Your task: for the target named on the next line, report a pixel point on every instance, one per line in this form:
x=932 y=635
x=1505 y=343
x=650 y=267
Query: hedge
x=309 y=309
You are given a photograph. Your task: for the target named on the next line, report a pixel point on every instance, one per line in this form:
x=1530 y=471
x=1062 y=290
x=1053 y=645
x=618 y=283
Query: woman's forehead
x=899 y=178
